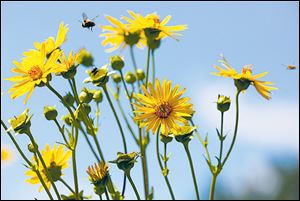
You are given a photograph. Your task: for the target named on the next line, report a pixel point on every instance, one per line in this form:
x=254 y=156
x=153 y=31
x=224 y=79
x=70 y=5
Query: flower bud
x=20 y=124
x=223 y=103
x=140 y=74
x=67 y=119
x=132 y=38
x=130 y=77
x=126 y=161
x=31 y=147
x=50 y=113
x=116 y=62
x=98 y=175
x=69 y=99
x=99 y=77
x=184 y=134
x=166 y=138
x=70 y=73
x=83 y=109
x=116 y=78
x=85 y=58
x=86 y=95
x=241 y=84
x=151 y=33
x=98 y=96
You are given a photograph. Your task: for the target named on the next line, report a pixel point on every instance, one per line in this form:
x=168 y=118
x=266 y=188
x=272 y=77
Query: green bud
x=130 y=77
x=126 y=161
x=85 y=58
x=116 y=78
x=98 y=96
x=67 y=119
x=132 y=38
x=140 y=74
x=31 y=148
x=50 y=113
x=81 y=110
x=151 y=33
x=86 y=95
x=241 y=84
x=99 y=77
x=116 y=62
x=70 y=73
x=20 y=124
x=69 y=99
x=184 y=134
x=223 y=103
x=166 y=139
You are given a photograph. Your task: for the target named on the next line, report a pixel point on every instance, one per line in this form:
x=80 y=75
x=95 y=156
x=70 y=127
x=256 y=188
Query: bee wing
x=95 y=17
x=84 y=16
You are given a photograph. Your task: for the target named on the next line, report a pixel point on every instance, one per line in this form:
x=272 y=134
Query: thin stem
x=221 y=141
x=75 y=91
x=121 y=131
x=235 y=129
x=43 y=164
x=147 y=68
x=144 y=163
x=26 y=159
x=165 y=155
x=161 y=166
x=67 y=185
x=186 y=147
x=61 y=131
x=97 y=114
x=134 y=65
x=153 y=67
x=133 y=185
x=212 y=187
x=126 y=90
x=75 y=173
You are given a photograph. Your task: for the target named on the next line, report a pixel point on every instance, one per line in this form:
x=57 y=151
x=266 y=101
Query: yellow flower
x=6 y=155
x=262 y=87
x=34 y=70
x=98 y=173
x=52 y=44
x=153 y=23
x=56 y=160
x=119 y=35
x=162 y=107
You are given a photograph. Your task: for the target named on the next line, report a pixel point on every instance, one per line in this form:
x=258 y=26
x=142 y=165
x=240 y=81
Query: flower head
x=56 y=160
x=98 y=77
x=245 y=78
x=184 y=133
x=126 y=161
x=20 y=124
x=162 y=107
x=85 y=58
x=98 y=173
x=119 y=35
x=33 y=70
x=153 y=26
x=67 y=65
x=53 y=44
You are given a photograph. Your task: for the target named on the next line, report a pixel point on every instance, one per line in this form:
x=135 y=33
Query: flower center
x=163 y=110
x=247 y=69
x=54 y=171
x=35 y=73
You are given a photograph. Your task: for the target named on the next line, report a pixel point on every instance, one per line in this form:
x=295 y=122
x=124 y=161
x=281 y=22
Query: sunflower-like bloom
x=53 y=44
x=98 y=173
x=162 y=107
x=119 y=35
x=262 y=87
x=152 y=24
x=56 y=160
x=33 y=70
x=67 y=65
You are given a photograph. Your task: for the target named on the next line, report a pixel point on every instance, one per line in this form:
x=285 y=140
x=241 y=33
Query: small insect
x=88 y=23
x=94 y=71
x=290 y=66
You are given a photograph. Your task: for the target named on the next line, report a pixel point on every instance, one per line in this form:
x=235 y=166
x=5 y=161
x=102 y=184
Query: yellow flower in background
x=262 y=87
x=6 y=155
x=67 y=65
x=53 y=44
x=162 y=107
x=56 y=160
x=118 y=35
x=154 y=24
x=33 y=70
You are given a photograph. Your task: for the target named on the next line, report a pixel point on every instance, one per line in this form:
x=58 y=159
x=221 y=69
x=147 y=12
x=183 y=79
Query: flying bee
x=87 y=23
x=290 y=66
x=94 y=71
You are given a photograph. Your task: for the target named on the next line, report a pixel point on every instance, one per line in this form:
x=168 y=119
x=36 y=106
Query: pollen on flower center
x=35 y=73
x=247 y=69
x=163 y=110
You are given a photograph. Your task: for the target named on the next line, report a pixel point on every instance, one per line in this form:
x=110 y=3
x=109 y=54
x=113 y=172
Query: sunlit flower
x=53 y=44
x=56 y=160
x=162 y=107
x=98 y=77
x=98 y=172
x=262 y=87
x=154 y=25
x=33 y=70
x=119 y=35
x=6 y=155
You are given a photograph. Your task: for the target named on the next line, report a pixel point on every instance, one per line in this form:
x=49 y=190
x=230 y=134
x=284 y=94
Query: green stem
x=147 y=68
x=212 y=187
x=144 y=163
x=67 y=185
x=186 y=147
x=97 y=114
x=43 y=164
x=165 y=155
x=134 y=65
x=26 y=159
x=126 y=90
x=161 y=166
x=221 y=141
x=133 y=186
x=75 y=173
x=61 y=131
x=235 y=129
x=153 y=67
x=120 y=128
x=74 y=88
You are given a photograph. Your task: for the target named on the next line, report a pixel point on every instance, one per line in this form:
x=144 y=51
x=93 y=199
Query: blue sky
x=265 y=34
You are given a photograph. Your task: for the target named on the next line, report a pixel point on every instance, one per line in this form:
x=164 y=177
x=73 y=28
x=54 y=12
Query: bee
x=87 y=23
x=94 y=71
x=290 y=66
